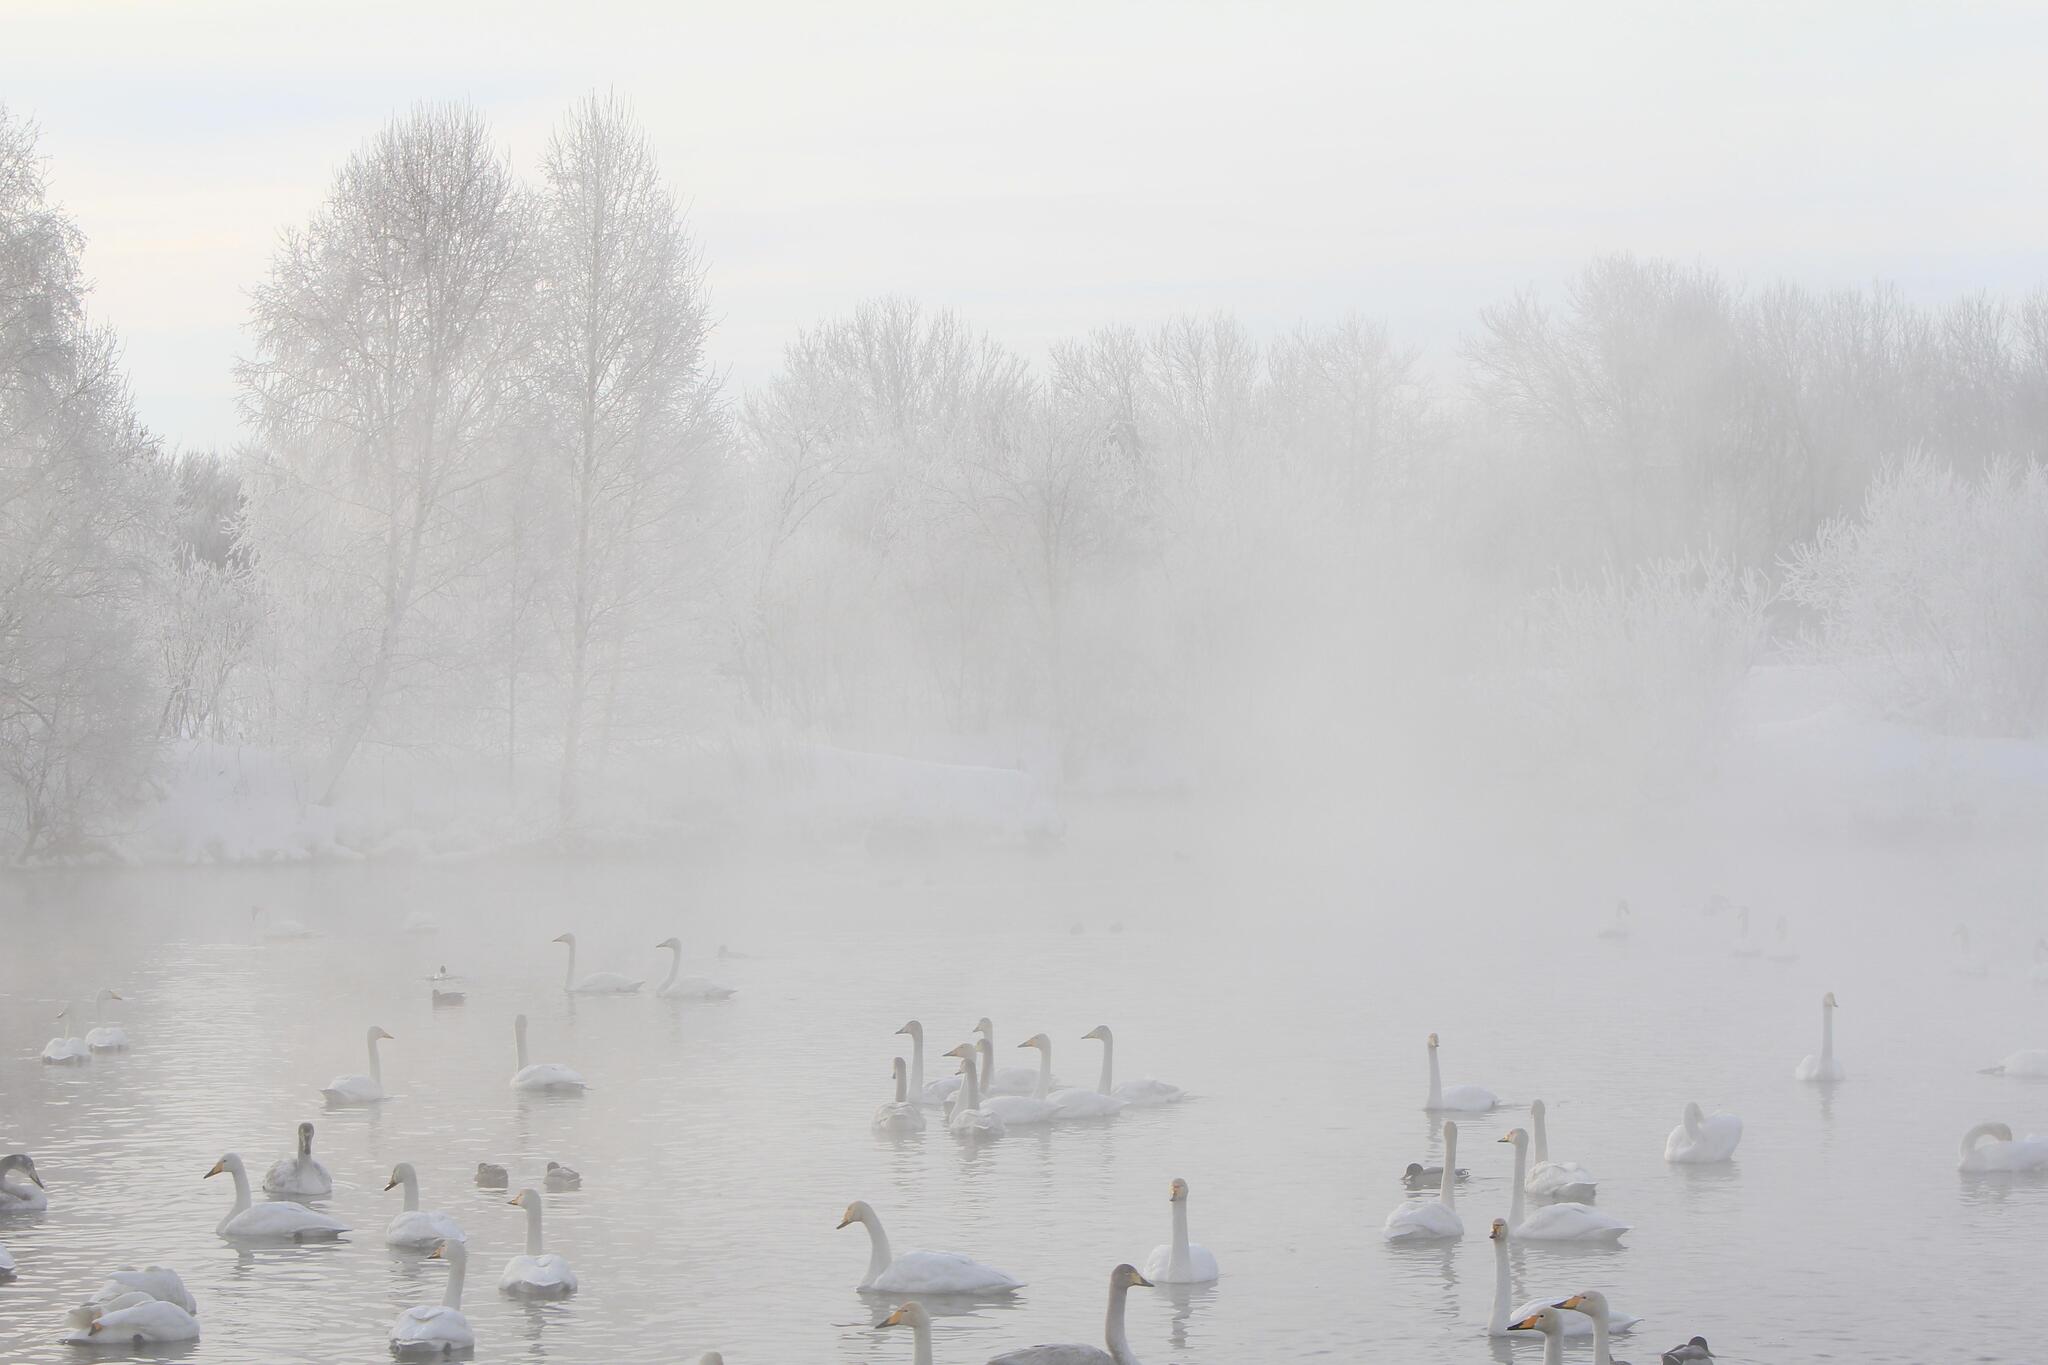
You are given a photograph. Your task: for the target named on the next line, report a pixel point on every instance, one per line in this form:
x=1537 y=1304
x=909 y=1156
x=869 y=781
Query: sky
x=1049 y=168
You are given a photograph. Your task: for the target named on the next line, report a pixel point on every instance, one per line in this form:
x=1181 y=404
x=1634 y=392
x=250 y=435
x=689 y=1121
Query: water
x=721 y=1142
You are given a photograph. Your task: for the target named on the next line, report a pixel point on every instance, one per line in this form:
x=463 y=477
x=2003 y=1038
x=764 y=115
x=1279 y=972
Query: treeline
x=494 y=505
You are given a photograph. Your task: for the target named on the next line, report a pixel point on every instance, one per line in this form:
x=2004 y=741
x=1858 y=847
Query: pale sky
x=1047 y=168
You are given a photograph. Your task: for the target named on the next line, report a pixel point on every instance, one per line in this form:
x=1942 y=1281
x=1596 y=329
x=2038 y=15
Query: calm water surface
x=721 y=1142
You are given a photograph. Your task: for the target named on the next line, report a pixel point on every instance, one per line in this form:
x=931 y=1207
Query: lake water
x=720 y=1142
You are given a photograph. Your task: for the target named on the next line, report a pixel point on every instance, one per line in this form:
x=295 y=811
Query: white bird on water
x=271 y=926
x=1463 y=1099
x=597 y=983
x=1824 y=1068
x=1991 y=1147
x=900 y=1116
x=414 y=1226
x=16 y=1197
x=676 y=986
x=426 y=1330
x=541 y=1076
x=1564 y=1222
x=300 y=1175
x=969 y=1118
x=1497 y=1323
x=106 y=1037
x=282 y=1221
x=345 y=1091
x=1070 y=1102
x=1702 y=1139
x=1180 y=1261
x=1436 y=1218
x=540 y=1273
x=921 y=1272
x=1555 y=1179
x=64 y=1050
x=1142 y=1092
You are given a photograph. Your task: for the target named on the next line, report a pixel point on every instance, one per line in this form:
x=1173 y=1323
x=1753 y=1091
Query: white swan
x=541 y=1075
x=1121 y=1281
x=1180 y=1261
x=940 y=1090
x=900 y=1116
x=1463 y=1099
x=1142 y=1092
x=539 y=1273
x=1567 y=1222
x=1555 y=1179
x=1967 y=963
x=1702 y=1139
x=300 y=1175
x=2031 y=1063
x=1011 y=1108
x=282 y=1221
x=1591 y=1305
x=1823 y=1068
x=132 y=1318
x=106 y=1037
x=597 y=983
x=1744 y=946
x=679 y=987
x=1617 y=932
x=63 y=1050
x=921 y=1272
x=2003 y=1152
x=1068 y=1102
x=1007 y=1080
x=159 y=1282
x=913 y=1316
x=353 y=1090
x=270 y=926
x=443 y=1330
x=1438 y=1217
x=16 y=1197
x=414 y=1226
x=1497 y=1324
x=968 y=1117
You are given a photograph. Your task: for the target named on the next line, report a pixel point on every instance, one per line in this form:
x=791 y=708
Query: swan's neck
x=241 y=1175
x=520 y=1034
x=970 y=1086
x=458 y=1265
x=569 y=976
x=1827 y=1037
x=412 y=1197
x=1108 y=1062
x=1553 y=1348
x=917 y=1064
x=376 y=1071
x=1521 y=1175
x=1497 y=1325
x=1447 y=1190
x=1044 y=1071
x=879 y=1256
x=902 y=1084
x=1975 y=1136
x=1692 y=1123
x=921 y=1353
x=1113 y=1327
x=987 y=1048
x=1541 y=1136
x=1600 y=1349
x=1179 y=1262
x=675 y=968
x=533 y=1243
x=1436 y=1082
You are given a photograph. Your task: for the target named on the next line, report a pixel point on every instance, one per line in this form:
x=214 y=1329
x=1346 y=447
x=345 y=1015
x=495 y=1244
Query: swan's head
x=528 y=1198
x=1037 y=1040
x=377 y=1034
x=305 y=1137
x=964 y=1051
x=569 y=939
x=1536 y=1110
x=1694 y=1115
x=898 y=1067
x=1100 y=1033
x=1432 y=1042
x=911 y=1315
x=1516 y=1136
x=913 y=1028
x=1592 y=1303
x=857 y=1212
x=230 y=1162
x=1545 y=1320
x=1499 y=1231
x=19 y=1161
x=1126 y=1276
x=1177 y=1192
x=1828 y=1000
x=671 y=942
x=982 y=1025
x=400 y=1173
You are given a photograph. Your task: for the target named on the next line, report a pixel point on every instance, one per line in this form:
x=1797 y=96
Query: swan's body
x=131 y=1319
x=416 y=1227
x=921 y=1272
x=1007 y=1080
x=1745 y=946
x=64 y=1050
x=968 y=1117
x=1462 y=1099
x=301 y=1175
x=159 y=1282
x=15 y=1196
x=1069 y=1103
x=597 y=983
x=1142 y=1092
x=282 y=1221
x=900 y=1115
x=1592 y=1306
x=1617 y=932
x=1436 y=1218
x=539 y=1075
x=438 y=1331
x=106 y=1037
x=1702 y=1139
x=1013 y=1107
x=1555 y=1179
x=939 y=1091
x=272 y=927
x=539 y=1273
x=2002 y=1151
x=1121 y=1281
x=679 y=987
x=1823 y=1068
x=353 y=1090
x=2031 y=1063
x=1180 y=1261
x=1566 y=1222
x=1498 y=1324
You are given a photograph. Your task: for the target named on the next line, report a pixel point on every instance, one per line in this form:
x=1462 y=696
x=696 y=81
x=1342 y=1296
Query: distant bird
x=597 y=983
x=560 y=1177
x=1180 y=1261
x=1745 y=946
x=1823 y=1068
x=1967 y=963
x=445 y=999
x=1701 y=1139
x=491 y=1177
x=1781 y=948
x=2028 y=1062
x=354 y=1090
x=1692 y=1353
x=1418 y=1176
x=680 y=987
x=1454 y=1098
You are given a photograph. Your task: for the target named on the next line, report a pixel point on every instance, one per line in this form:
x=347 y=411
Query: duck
x=1435 y=1219
x=1692 y=1353
x=1702 y=1139
x=347 y=1091
x=559 y=1178
x=414 y=1227
x=491 y=1176
x=899 y=1115
x=541 y=1076
x=1822 y=1069
x=597 y=983
x=539 y=1273
x=1069 y=1103
x=1563 y=1222
x=1419 y=1176
x=447 y=999
x=301 y=1175
x=16 y=1197
x=680 y=987
x=64 y=1050
x=282 y=1221
x=1180 y=1261
x=1122 y=1280
x=921 y=1272
x=1991 y=1147
x=426 y=1330
x=1556 y=1179
x=1143 y=1092
x=106 y=1037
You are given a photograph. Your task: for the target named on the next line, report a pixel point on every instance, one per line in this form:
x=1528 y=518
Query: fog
x=1628 y=674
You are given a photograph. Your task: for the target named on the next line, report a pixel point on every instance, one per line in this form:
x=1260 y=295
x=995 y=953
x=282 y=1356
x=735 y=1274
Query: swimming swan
x=539 y=1273
x=352 y=1090
x=2003 y=1152
x=1555 y=1179
x=900 y=1116
x=1462 y=1099
x=921 y=1272
x=1701 y=1139
x=1823 y=1068
x=438 y=1331
x=282 y=1221
x=1435 y=1218
x=1569 y=1222
x=676 y=986
x=1142 y=1092
x=16 y=1197
x=1068 y=1102
x=969 y=1118
x=939 y=1090
x=1121 y=1281
x=1180 y=1261
x=540 y=1075
x=597 y=983
x=132 y=1318
x=1011 y=1108
x=300 y=1175
x=1008 y=1080
x=66 y=1051
x=1497 y=1324
x=106 y=1037
x=416 y=1227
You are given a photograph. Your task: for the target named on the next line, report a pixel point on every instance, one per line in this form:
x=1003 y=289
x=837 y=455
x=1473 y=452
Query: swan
x=270 y=926
x=1142 y=1092
x=921 y=1272
x=1008 y=1080
x=913 y=1316
x=1497 y=1325
x=281 y=1221
x=301 y=1175
x=2003 y=1152
x=968 y=1118
x=63 y=1051
x=1011 y=1108
x=1592 y=1306
x=1617 y=931
x=1182 y=1261
x=1456 y=1098
x=6 y=1264
x=1701 y=1140
x=560 y=1178
x=1550 y=1322
x=1967 y=963
x=106 y=1037
x=159 y=1282
x=1121 y=1281
x=133 y=1318
x=437 y=1331
x=1068 y=1102
x=1691 y=1353
x=597 y=983
x=1436 y=1217
x=1781 y=949
x=352 y=1090
x=1823 y=1068
x=538 y=1075
x=416 y=1227
x=1745 y=946
x=16 y=1197
x=490 y=1176
x=676 y=986
x=1568 y=1222
x=537 y=1274
x=900 y=1116
x=1556 y=1179
x=940 y=1090
x=2031 y=1063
